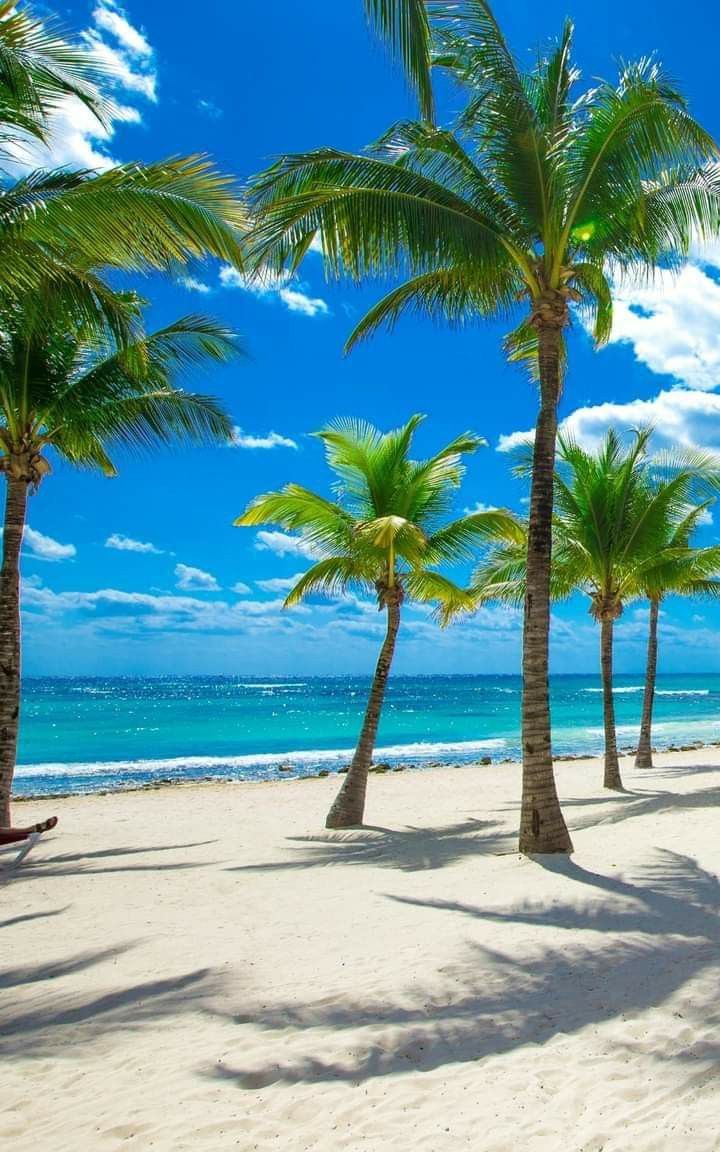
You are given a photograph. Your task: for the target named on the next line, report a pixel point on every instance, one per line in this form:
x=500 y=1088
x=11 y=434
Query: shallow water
x=82 y=735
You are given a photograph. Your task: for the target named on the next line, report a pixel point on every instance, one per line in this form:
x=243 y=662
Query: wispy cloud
x=240 y=439
x=45 y=548
x=275 y=286
x=283 y=544
x=279 y=583
x=192 y=284
x=208 y=108
x=123 y=543
x=191 y=579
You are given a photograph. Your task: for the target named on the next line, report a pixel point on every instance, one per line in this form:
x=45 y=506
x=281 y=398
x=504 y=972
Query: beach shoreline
x=287 y=774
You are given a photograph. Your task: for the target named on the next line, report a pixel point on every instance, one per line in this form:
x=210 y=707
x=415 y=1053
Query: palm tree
x=73 y=388
x=530 y=196
x=621 y=527
x=679 y=570
x=386 y=533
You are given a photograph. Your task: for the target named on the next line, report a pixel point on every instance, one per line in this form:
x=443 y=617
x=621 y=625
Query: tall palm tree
x=679 y=570
x=530 y=196
x=386 y=533
x=72 y=388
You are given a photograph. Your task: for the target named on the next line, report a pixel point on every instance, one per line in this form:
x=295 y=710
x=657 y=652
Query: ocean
x=85 y=735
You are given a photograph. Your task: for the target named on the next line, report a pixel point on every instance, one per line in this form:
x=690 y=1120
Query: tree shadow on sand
x=81 y=863
x=57 y=1020
x=642 y=942
x=408 y=849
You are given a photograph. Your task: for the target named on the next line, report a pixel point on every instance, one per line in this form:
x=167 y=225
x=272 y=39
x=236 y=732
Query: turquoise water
x=81 y=735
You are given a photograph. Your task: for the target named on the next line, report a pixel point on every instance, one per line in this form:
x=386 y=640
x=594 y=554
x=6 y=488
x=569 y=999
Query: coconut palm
x=70 y=388
x=621 y=527
x=386 y=533
x=522 y=204
x=679 y=570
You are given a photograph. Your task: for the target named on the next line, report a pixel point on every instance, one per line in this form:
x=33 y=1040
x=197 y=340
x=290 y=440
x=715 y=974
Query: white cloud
x=672 y=322
x=111 y=18
x=270 y=286
x=240 y=439
x=299 y=302
x=240 y=589
x=478 y=506
x=78 y=140
x=191 y=579
x=681 y=417
x=123 y=543
x=192 y=284
x=282 y=544
x=279 y=583
x=45 y=548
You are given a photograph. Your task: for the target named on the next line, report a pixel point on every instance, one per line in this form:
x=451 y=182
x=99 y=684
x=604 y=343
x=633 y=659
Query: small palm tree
x=621 y=526
x=679 y=570
x=71 y=388
x=528 y=197
x=386 y=534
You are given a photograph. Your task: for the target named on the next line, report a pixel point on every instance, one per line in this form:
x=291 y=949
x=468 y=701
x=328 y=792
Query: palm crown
x=387 y=528
x=532 y=195
x=73 y=387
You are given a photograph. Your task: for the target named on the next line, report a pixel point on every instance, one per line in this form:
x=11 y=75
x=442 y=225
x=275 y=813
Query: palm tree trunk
x=612 y=777
x=542 y=827
x=349 y=805
x=15 y=508
x=643 y=758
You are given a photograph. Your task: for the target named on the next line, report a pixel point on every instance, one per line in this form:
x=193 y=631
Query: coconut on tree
x=75 y=389
x=521 y=205
x=386 y=534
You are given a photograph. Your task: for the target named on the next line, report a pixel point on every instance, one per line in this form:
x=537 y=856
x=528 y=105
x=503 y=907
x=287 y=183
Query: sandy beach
x=206 y=968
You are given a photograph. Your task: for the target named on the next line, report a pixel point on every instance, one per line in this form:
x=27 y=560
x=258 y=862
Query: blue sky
x=144 y=573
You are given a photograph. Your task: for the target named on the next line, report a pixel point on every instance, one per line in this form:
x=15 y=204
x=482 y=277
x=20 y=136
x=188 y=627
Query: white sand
x=205 y=969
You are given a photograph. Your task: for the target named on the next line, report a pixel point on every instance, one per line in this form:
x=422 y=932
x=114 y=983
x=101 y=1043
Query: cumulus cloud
x=191 y=579
x=240 y=589
x=78 y=140
x=240 y=439
x=269 y=286
x=283 y=544
x=681 y=417
x=45 y=548
x=672 y=321
x=123 y=543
